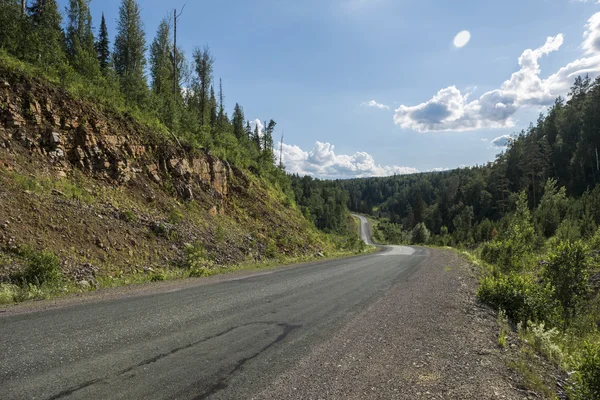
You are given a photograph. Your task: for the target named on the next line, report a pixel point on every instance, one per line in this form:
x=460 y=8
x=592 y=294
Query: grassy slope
x=105 y=235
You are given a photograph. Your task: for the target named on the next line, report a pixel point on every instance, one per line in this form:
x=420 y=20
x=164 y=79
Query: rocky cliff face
x=73 y=134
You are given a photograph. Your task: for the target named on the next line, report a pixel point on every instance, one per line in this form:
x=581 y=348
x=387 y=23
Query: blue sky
x=314 y=66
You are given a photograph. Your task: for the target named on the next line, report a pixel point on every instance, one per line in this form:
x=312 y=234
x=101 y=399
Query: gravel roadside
x=427 y=338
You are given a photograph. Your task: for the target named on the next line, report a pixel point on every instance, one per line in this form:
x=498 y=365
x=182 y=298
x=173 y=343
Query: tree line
x=182 y=95
x=555 y=161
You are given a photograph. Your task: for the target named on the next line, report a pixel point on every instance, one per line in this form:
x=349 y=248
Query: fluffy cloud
x=502 y=141
x=461 y=39
x=451 y=110
x=322 y=162
x=375 y=104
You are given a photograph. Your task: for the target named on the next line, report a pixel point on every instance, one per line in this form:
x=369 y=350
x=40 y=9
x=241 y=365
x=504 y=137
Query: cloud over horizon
x=451 y=110
x=323 y=162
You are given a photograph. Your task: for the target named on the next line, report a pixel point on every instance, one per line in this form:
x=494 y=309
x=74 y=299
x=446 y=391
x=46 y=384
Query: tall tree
x=80 y=39
x=238 y=122
x=204 y=68
x=162 y=74
x=222 y=117
x=161 y=66
x=212 y=104
x=103 y=46
x=46 y=39
x=129 y=52
x=12 y=29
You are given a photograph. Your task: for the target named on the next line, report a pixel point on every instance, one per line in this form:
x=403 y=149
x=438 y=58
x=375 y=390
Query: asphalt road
x=225 y=340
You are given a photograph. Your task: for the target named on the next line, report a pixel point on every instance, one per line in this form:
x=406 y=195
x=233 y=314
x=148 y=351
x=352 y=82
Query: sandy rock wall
x=74 y=134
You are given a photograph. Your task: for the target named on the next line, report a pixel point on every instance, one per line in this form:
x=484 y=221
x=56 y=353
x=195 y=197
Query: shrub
x=542 y=340
x=8 y=293
x=42 y=268
x=196 y=260
x=158 y=276
x=567 y=273
x=518 y=295
x=271 y=249
x=511 y=248
x=420 y=234
x=587 y=375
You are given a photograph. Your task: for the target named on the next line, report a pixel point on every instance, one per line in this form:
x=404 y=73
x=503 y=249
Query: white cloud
x=451 y=110
x=502 y=141
x=461 y=39
x=375 y=104
x=322 y=162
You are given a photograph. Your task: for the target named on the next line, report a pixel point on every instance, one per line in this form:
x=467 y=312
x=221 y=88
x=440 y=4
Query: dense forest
x=552 y=161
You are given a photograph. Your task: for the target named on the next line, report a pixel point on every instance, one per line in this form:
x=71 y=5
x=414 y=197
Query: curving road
x=225 y=339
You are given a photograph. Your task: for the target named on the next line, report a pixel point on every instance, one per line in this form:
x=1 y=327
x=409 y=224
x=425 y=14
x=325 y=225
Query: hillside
x=92 y=198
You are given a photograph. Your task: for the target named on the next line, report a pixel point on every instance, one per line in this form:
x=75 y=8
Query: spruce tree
x=80 y=39
x=103 y=46
x=161 y=66
x=129 y=52
x=204 y=68
x=46 y=39
x=222 y=117
x=213 y=108
x=12 y=29
x=238 y=122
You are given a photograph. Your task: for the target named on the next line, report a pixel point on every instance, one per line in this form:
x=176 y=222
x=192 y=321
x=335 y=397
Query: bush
x=158 y=276
x=42 y=268
x=420 y=234
x=587 y=376
x=512 y=247
x=520 y=297
x=271 y=249
x=567 y=273
x=542 y=340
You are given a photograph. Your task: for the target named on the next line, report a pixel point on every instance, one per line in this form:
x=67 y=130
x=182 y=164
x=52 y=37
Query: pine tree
x=12 y=29
x=46 y=39
x=256 y=137
x=238 y=123
x=267 y=139
x=213 y=108
x=129 y=52
x=162 y=74
x=222 y=117
x=103 y=46
x=161 y=65
x=204 y=68
x=80 y=39
x=248 y=132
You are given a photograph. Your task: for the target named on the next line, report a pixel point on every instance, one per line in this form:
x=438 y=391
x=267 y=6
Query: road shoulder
x=427 y=338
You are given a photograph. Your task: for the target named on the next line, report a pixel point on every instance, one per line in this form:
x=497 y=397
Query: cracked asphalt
x=224 y=340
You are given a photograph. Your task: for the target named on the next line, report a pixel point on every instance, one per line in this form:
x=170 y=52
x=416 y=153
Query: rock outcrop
x=74 y=134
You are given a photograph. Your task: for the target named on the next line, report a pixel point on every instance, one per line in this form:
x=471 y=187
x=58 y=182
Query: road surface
x=227 y=339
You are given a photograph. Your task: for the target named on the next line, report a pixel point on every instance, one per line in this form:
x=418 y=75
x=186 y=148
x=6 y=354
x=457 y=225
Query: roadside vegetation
x=531 y=221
